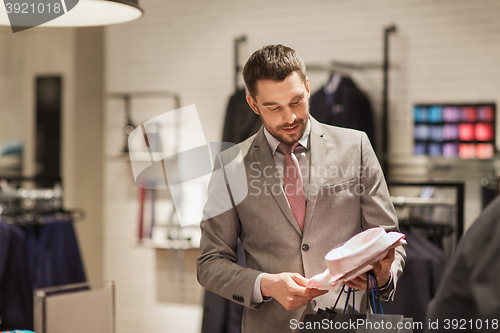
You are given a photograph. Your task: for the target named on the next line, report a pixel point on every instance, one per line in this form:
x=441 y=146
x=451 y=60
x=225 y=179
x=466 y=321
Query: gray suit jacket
x=347 y=194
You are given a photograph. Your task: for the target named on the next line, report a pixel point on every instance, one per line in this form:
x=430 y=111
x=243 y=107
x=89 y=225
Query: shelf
x=141 y=157
x=167 y=244
x=416 y=201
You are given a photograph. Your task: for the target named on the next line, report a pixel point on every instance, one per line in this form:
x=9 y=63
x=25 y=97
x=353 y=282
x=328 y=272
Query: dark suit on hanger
x=349 y=108
x=220 y=315
x=241 y=122
x=417 y=285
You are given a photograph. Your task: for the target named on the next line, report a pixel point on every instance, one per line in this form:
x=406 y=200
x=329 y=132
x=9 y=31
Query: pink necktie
x=292 y=184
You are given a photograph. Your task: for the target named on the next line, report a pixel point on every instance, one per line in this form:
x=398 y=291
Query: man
x=311 y=187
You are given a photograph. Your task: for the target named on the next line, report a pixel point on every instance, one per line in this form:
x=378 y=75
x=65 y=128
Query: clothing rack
x=416 y=201
x=237 y=68
x=437 y=229
x=385 y=101
x=34 y=218
x=455 y=203
x=335 y=65
x=339 y=65
x=173 y=226
x=24 y=206
x=127 y=99
x=38 y=247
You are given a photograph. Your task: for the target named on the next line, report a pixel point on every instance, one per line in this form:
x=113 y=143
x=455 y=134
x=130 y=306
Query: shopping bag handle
x=373 y=293
x=349 y=291
x=338 y=298
x=373 y=296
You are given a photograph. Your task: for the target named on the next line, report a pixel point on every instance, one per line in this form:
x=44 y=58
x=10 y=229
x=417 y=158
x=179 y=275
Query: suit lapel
x=318 y=154
x=262 y=154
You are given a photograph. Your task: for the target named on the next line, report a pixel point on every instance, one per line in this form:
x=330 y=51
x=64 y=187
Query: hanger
x=333 y=82
x=434 y=229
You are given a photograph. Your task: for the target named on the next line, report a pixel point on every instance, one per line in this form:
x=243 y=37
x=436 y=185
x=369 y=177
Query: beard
x=280 y=135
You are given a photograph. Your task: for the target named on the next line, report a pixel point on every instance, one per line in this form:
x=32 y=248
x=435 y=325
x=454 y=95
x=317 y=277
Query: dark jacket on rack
x=16 y=296
x=219 y=314
x=53 y=253
x=417 y=285
x=241 y=122
x=349 y=108
x=35 y=256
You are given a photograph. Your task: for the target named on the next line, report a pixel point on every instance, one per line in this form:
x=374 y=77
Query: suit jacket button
x=305 y=247
x=238 y=298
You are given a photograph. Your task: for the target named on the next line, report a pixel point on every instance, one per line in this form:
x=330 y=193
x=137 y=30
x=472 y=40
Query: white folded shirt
x=355 y=257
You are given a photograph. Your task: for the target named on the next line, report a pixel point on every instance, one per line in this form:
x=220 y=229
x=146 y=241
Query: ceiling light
x=85 y=13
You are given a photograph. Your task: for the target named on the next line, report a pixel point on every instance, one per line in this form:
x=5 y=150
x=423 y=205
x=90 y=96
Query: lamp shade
x=73 y=13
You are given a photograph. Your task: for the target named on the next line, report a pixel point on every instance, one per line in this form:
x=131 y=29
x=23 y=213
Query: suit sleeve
x=377 y=209
x=217 y=267
x=469 y=289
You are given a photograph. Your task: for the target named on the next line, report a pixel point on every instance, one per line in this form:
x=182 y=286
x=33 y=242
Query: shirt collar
x=274 y=143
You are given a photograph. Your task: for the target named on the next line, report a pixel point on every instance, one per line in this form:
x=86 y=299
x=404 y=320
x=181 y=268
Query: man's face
x=283 y=107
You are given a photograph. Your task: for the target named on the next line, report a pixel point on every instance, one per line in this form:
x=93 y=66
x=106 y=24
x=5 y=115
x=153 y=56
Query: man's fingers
x=357 y=283
x=302 y=282
x=391 y=254
x=296 y=304
x=381 y=269
x=315 y=292
x=356 y=286
x=299 y=279
x=289 y=289
x=362 y=277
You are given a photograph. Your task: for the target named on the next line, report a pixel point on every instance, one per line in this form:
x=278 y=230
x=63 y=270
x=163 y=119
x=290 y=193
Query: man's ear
x=253 y=103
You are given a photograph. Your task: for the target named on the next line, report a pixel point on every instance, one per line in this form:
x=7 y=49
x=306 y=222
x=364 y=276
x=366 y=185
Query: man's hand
x=288 y=289
x=381 y=269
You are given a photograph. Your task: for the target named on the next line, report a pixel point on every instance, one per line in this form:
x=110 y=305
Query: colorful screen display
x=451 y=130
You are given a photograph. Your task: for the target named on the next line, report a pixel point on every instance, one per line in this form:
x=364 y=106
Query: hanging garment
x=16 y=296
x=421 y=276
x=440 y=215
x=220 y=315
x=241 y=122
x=344 y=105
x=53 y=253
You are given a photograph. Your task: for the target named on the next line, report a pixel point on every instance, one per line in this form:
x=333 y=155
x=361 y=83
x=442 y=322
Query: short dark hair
x=272 y=62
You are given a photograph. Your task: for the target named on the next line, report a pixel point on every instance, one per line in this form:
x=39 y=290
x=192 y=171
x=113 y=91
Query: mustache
x=296 y=122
